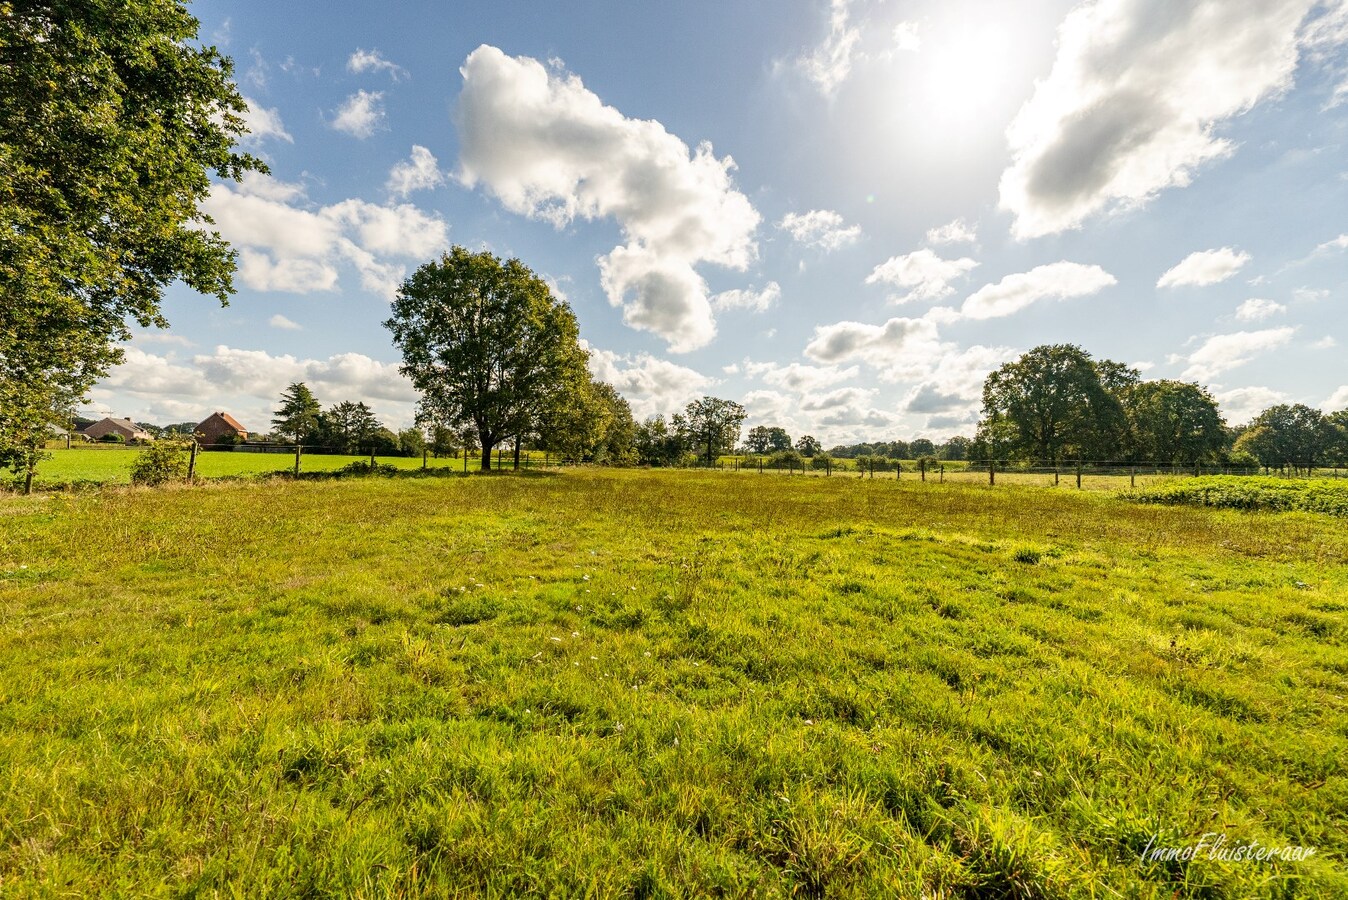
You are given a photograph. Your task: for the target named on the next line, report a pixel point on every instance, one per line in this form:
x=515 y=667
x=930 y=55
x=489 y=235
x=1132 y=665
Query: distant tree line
x=1056 y=404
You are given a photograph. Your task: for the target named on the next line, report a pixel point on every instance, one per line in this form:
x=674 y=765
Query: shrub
x=159 y=463
x=822 y=461
x=1250 y=493
x=112 y=437
x=785 y=459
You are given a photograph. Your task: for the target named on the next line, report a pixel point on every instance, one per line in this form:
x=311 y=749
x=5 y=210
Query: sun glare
x=962 y=74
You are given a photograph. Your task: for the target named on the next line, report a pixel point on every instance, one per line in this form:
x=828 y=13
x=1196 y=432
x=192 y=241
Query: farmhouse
x=221 y=428
x=129 y=430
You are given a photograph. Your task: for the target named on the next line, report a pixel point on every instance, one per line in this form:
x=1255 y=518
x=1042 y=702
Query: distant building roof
x=227 y=419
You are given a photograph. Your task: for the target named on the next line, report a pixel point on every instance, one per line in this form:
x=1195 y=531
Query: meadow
x=93 y=466
x=645 y=684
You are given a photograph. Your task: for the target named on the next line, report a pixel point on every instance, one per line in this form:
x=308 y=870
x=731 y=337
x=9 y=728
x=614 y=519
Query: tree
x=657 y=444
x=111 y=122
x=920 y=448
x=758 y=440
x=957 y=448
x=1337 y=452
x=712 y=425
x=1288 y=435
x=445 y=441
x=486 y=344
x=1053 y=403
x=349 y=426
x=573 y=425
x=806 y=445
x=297 y=417
x=411 y=441
x=618 y=446
x=1173 y=422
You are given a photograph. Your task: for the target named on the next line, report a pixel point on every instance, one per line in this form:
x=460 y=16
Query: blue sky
x=842 y=215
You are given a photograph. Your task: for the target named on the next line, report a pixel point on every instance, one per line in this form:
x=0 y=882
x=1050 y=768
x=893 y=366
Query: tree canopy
x=487 y=345
x=711 y=425
x=1053 y=403
x=111 y=123
x=1173 y=422
x=299 y=412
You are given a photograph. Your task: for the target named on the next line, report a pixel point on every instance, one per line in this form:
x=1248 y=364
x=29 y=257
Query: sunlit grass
x=677 y=683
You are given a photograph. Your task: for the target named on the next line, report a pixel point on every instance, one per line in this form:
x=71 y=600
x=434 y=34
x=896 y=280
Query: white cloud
x=820 y=228
x=361 y=114
x=1204 y=267
x=372 y=61
x=1337 y=244
x=1325 y=343
x=907 y=37
x=1240 y=405
x=1134 y=100
x=652 y=386
x=420 y=172
x=548 y=148
x=907 y=350
x=1337 y=400
x=1256 y=310
x=953 y=386
x=757 y=301
x=1056 y=281
x=280 y=321
x=264 y=123
x=284 y=246
x=927 y=274
x=1222 y=352
x=956 y=232
x=247 y=383
x=831 y=62
x=263 y=272
x=797 y=377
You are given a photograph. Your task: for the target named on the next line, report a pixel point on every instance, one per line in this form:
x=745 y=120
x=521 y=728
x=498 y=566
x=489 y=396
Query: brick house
x=221 y=428
x=129 y=430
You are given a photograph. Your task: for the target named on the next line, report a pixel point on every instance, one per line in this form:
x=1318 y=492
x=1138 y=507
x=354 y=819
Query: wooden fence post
x=922 y=468
x=992 y=472
x=299 y=448
x=1078 y=474
x=192 y=463
x=942 y=473
x=424 y=453
x=1132 y=477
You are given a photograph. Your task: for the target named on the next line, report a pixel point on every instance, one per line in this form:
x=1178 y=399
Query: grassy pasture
x=650 y=684
x=113 y=466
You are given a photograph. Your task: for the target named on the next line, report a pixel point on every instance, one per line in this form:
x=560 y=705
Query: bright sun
x=962 y=74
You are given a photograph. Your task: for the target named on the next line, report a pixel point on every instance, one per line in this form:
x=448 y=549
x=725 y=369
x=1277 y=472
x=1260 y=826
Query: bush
x=112 y=437
x=1250 y=493
x=823 y=461
x=785 y=459
x=159 y=463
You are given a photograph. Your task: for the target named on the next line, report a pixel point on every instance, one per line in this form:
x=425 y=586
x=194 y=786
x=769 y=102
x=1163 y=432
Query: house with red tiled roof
x=221 y=428
x=128 y=430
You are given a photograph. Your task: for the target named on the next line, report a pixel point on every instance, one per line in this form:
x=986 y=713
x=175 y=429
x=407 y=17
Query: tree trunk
x=487 y=447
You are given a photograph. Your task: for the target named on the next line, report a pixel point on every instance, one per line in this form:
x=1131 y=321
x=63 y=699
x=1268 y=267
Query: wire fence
x=1078 y=473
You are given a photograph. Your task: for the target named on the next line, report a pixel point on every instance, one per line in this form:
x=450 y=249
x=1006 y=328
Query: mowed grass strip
x=664 y=684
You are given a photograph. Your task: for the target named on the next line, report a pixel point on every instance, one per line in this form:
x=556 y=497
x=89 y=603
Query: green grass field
x=113 y=465
x=101 y=465
x=632 y=683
